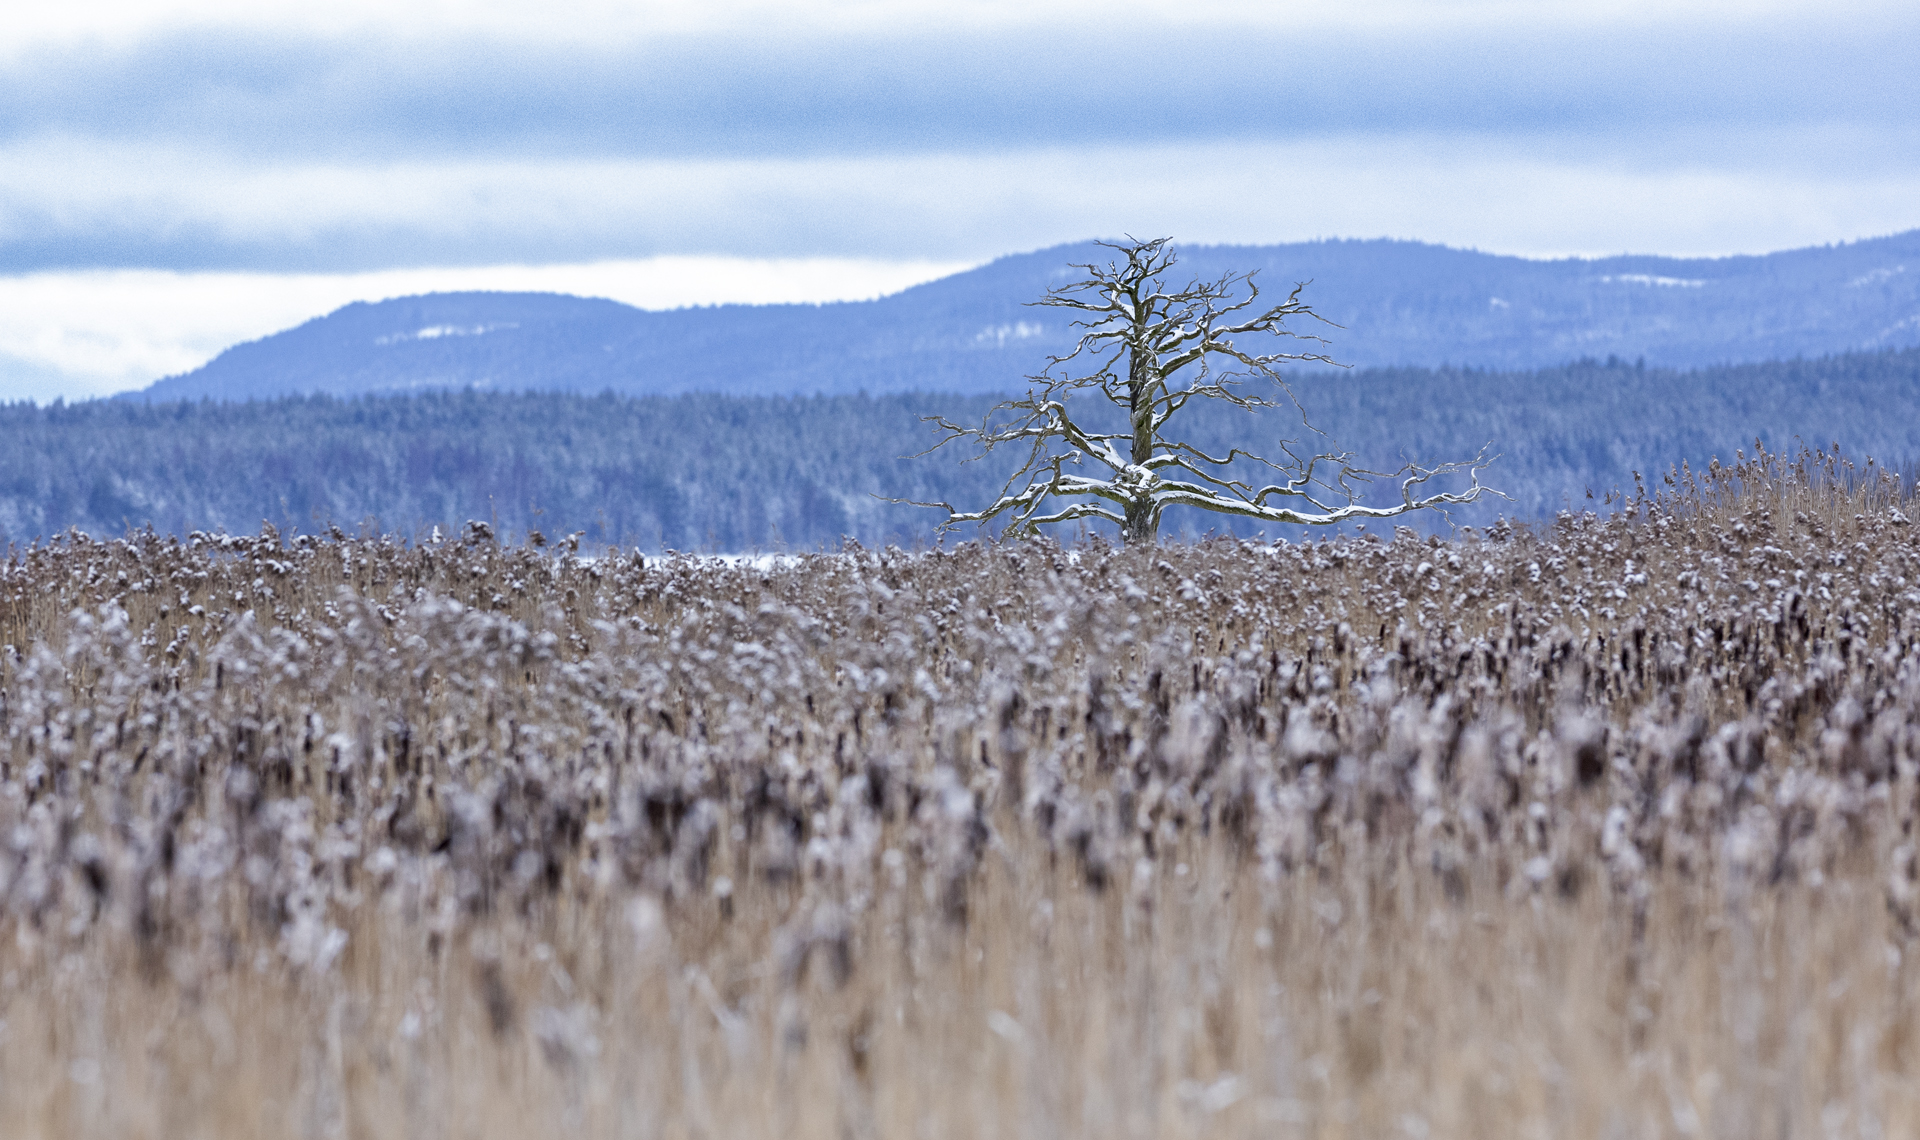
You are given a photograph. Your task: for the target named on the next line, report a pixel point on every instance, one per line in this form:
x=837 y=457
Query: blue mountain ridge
x=1398 y=303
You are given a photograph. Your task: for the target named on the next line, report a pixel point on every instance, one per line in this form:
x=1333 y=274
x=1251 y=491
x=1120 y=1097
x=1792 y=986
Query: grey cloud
x=532 y=214
x=177 y=212
x=39 y=241
x=265 y=96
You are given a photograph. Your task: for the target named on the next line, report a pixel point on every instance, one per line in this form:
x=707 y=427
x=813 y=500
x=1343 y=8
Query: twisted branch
x=1137 y=338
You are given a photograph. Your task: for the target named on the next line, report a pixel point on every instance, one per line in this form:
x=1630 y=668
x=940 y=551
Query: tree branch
x=1139 y=336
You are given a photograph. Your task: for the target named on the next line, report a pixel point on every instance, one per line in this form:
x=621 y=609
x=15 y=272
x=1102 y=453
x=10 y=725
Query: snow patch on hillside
x=1876 y=276
x=997 y=336
x=1650 y=279
x=434 y=332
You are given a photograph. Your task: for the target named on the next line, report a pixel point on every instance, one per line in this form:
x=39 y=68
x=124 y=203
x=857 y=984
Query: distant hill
x=718 y=472
x=1400 y=303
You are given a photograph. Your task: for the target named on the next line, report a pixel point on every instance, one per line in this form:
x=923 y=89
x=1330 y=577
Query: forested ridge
x=1391 y=304
x=732 y=473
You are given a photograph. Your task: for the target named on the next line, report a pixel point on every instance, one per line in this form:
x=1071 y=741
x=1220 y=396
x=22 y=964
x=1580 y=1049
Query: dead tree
x=1150 y=351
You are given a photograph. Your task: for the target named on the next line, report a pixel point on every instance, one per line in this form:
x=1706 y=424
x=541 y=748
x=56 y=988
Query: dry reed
x=1600 y=829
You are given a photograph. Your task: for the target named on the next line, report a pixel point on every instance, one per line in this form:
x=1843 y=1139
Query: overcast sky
x=176 y=176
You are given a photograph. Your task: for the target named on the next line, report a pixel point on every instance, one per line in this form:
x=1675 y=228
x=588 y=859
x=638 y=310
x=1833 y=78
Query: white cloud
x=84 y=334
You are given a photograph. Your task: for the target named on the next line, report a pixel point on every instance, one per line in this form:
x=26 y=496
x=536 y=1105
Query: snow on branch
x=1149 y=351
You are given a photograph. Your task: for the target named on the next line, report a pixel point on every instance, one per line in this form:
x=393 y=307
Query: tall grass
x=1603 y=828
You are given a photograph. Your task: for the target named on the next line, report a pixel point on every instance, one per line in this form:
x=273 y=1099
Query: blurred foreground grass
x=1602 y=829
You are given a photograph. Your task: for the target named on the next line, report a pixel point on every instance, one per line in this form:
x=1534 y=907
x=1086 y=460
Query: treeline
x=688 y=472
x=706 y=472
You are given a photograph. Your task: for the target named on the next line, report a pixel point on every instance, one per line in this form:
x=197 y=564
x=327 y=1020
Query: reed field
x=1603 y=827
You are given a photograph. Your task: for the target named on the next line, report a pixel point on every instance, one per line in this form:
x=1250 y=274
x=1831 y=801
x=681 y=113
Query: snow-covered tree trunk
x=1142 y=519
x=1142 y=523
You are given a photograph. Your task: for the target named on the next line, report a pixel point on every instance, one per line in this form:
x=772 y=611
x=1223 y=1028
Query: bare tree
x=1150 y=351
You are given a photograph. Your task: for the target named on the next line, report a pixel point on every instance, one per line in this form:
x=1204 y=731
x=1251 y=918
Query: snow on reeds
x=1603 y=828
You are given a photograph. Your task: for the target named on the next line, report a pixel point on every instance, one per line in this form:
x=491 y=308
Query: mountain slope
x=1398 y=304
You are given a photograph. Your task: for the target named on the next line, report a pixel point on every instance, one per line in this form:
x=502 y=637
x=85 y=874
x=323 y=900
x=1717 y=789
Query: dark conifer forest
x=739 y=473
